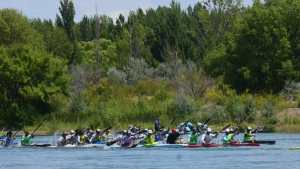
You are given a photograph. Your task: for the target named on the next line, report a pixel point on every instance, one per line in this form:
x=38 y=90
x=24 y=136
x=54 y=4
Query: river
x=265 y=157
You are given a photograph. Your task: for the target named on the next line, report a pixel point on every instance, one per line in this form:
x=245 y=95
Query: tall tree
x=66 y=17
x=66 y=21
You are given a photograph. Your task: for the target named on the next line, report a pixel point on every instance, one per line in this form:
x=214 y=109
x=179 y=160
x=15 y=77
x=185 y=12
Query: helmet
x=72 y=132
x=189 y=124
x=187 y=129
x=249 y=128
x=205 y=126
x=98 y=130
x=227 y=130
x=199 y=124
x=209 y=130
x=150 y=131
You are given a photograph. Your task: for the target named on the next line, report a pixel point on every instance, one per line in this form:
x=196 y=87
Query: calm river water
x=265 y=157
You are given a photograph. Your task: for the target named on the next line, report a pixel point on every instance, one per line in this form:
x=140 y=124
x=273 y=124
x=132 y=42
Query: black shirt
x=172 y=138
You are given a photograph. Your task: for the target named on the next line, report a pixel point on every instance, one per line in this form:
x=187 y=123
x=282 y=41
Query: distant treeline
x=167 y=62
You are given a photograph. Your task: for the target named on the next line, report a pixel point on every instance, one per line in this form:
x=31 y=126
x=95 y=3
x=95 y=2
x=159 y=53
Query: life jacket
x=228 y=138
x=26 y=140
x=248 y=136
x=193 y=139
x=149 y=140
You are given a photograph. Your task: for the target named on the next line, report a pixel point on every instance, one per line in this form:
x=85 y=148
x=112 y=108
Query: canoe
x=242 y=144
x=270 y=142
x=203 y=145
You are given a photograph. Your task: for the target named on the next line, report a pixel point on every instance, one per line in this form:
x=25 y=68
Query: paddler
x=173 y=136
x=73 y=137
x=62 y=141
x=249 y=135
x=194 y=137
x=127 y=139
x=98 y=137
x=9 y=138
x=83 y=138
x=149 y=138
x=208 y=136
x=229 y=136
x=26 y=139
x=108 y=136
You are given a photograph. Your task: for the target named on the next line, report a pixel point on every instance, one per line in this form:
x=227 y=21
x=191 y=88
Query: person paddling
x=98 y=137
x=229 y=136
x=63 y=140
x=8 y=139
x=149 y=138
x=194 y=137
x=249 y=135
x=173 y=136
x=26 y=139
x=208 y=136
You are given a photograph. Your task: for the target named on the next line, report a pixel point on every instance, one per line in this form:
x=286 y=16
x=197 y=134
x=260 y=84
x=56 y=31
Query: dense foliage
x=214 y=59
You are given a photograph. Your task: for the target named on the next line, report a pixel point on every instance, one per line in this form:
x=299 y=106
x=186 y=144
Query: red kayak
x=203 y=145
x=236 y=144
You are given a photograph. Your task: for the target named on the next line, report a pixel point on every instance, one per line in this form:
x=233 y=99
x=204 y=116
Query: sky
x=47 y=9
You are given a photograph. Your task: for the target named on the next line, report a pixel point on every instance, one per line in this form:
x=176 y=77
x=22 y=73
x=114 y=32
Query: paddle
x=258 y=129
x=16 y=133
x=224 y=128
x=38 y=126
x=136 y=144
x=207 y=121
x=105 y=130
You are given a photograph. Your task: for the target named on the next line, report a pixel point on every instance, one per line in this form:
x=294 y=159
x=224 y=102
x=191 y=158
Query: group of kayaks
x=213 y=145
x=158 y=145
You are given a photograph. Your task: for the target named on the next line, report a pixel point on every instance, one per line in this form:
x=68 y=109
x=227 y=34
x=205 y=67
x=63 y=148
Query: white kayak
x=84 y=146
x=165 y=145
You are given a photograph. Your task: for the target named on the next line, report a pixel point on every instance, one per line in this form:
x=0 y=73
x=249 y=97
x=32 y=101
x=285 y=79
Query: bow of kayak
x=295 y=148
x=203 y=145
x=242 y=144
x=165 y=145
x=269 y=142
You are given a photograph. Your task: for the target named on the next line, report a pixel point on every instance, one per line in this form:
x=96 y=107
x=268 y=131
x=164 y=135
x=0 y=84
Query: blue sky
x=47 y=9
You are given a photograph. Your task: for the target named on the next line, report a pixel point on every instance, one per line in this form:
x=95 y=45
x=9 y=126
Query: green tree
x=259 y=55
x=85 y=29
x=66 y=17
x=29 y=76
x=66 y=21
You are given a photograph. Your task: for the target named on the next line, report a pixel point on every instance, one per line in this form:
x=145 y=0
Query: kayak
x=270 y=142
x=295 y=148
x=242 y=144
x=165 y=145
x=37 y=145
x=85 y=146
x=203 y=145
